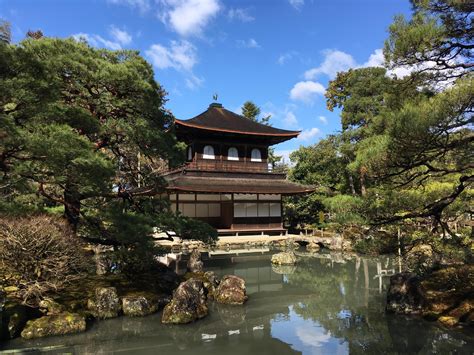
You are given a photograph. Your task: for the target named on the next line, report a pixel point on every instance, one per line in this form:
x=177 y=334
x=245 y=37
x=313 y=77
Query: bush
x=38 y=255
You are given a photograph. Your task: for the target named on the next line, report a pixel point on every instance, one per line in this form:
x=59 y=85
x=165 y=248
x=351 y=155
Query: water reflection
x=327 y=304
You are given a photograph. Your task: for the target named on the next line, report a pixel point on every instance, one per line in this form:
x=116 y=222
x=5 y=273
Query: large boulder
x=284 y=258
x=231 y=290
x=188 y=303
x=59 y=324
x=421 y=258
x=142 y=305
x=195 y=263
x=405 y=294
x=209 y=279
x=312 y=247
x=105 y=304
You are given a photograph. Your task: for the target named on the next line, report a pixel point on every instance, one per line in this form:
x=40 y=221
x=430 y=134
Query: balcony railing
x=228 y=165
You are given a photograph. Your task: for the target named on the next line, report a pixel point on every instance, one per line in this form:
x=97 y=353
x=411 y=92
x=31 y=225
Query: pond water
x=328 y=304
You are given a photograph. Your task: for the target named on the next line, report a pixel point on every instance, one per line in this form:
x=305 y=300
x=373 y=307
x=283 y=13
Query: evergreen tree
x=250 y=110
x=85 y=129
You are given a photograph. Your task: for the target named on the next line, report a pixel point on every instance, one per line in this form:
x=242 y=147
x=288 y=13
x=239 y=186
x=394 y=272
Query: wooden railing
x=228 y=165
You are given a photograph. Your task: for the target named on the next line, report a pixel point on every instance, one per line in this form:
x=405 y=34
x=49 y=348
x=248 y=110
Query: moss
x=61 y=324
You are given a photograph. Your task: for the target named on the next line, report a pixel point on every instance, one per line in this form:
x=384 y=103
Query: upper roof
x=216 y=118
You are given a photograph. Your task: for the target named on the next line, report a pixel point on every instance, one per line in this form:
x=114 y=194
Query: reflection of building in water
x=255 y=269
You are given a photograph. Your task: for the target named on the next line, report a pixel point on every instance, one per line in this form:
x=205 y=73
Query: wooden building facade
x=227 y=181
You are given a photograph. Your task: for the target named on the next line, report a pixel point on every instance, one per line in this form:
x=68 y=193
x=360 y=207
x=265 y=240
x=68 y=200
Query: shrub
x=38 y=255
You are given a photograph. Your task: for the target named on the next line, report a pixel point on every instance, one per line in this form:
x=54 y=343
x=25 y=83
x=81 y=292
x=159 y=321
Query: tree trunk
x=72 y=206
x=363 y=190
x=351 y=184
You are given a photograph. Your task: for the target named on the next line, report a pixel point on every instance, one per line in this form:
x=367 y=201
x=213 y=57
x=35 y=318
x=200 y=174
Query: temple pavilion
x=227 y=181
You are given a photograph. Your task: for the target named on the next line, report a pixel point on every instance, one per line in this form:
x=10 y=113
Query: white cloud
x=142 y=5
x=309 y=134
x=281 y=116
x=193 y=82
x=120 y=36
x=180 y=55
x=376 y=59
x=240 y=14
x=96 y=41
x=323 y=119
x=285 y=154
x=290 y=119
x=250 y=43
x=306 y=91
x=188 y=17
x=285 y=57
x=334 y=62
x=297 y=4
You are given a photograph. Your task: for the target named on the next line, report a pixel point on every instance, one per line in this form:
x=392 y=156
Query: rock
x=188 y=303
x=59 y=324
x=284 y=258
x=50 y=307
x=138 y=306
x=405 y=294
x=421 y=258
x=209 y=280
x=231 y=290
x=336 y=243
x=106 y=303
x=312 y=247
x=347 y=245
x=194 y=263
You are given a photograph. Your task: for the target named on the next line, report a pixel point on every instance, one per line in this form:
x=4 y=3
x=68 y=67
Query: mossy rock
x=60 y=324
x=231 y=290
x=139 y=304
x=188 y=303
x=284 y=258
x=105 y=304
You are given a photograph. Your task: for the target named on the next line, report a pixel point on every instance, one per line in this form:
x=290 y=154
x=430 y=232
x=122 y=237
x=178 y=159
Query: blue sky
x=278 y=53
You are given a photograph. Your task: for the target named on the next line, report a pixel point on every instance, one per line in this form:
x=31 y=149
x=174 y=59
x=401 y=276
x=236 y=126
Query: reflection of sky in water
x=306 y=335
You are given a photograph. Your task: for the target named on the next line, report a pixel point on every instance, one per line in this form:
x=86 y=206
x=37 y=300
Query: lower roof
x=235 y=185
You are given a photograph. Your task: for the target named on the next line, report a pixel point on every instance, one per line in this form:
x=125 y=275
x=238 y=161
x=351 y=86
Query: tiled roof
x=235 y=185
x=217 y=118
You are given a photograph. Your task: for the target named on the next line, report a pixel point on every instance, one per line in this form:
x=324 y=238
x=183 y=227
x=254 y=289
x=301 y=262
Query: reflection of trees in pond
x=347 y=303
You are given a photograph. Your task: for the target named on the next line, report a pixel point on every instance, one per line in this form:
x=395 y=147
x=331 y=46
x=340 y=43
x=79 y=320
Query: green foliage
x=85 y=130
x=347 y=209
x=377 y=245
x=439 y=32
x=302 y=210
x=320 y=164
x=250 y=110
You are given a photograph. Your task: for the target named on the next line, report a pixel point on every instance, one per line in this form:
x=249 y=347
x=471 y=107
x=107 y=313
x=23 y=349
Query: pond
x=328 y=304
